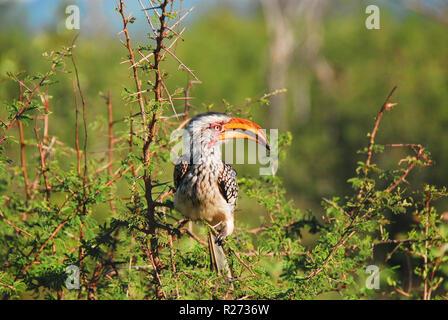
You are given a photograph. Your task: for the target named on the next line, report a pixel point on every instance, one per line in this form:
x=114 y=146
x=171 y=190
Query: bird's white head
x=205 y=133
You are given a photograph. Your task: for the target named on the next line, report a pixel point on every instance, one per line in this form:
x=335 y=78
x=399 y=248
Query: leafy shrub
x=142 y=249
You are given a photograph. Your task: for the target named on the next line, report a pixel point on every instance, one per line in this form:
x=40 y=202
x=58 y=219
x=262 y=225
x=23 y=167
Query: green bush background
x=228 y=51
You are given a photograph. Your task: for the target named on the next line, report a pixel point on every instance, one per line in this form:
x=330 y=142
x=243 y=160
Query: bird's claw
x=219 y=239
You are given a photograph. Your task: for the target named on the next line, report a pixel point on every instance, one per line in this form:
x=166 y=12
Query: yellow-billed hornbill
x=206 y=187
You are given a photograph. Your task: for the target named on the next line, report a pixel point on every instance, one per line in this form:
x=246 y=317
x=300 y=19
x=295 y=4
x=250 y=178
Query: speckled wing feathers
x=228 y=185
x=180 y=169
x=227 y=182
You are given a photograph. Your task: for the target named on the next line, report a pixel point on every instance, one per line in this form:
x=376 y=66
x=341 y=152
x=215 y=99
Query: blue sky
x=42 y=13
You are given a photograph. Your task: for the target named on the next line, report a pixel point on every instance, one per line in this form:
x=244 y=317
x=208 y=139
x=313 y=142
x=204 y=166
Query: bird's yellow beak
x=239 y=128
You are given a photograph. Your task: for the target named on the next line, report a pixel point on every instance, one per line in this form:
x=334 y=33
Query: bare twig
x=387 y=105
x=43 y=166
x=14 y=226
x=23 y=160
x=132 y=60
x=77 y=146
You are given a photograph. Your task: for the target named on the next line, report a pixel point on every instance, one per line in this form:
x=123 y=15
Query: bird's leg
x=225 y=230
x=212 y=228
x=220 y=237
x=216 y=225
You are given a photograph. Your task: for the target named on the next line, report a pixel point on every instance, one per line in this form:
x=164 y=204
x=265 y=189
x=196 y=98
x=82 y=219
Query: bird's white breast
x=198 y=197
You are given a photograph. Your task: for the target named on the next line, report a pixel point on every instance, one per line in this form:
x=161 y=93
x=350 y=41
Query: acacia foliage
x=142 y=249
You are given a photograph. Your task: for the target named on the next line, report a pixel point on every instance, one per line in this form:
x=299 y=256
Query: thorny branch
x=150 y=118
x=30 y=97
x=354 y=214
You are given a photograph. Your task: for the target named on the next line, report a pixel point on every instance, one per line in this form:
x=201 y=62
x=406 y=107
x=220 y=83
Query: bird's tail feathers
x=218 y=258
